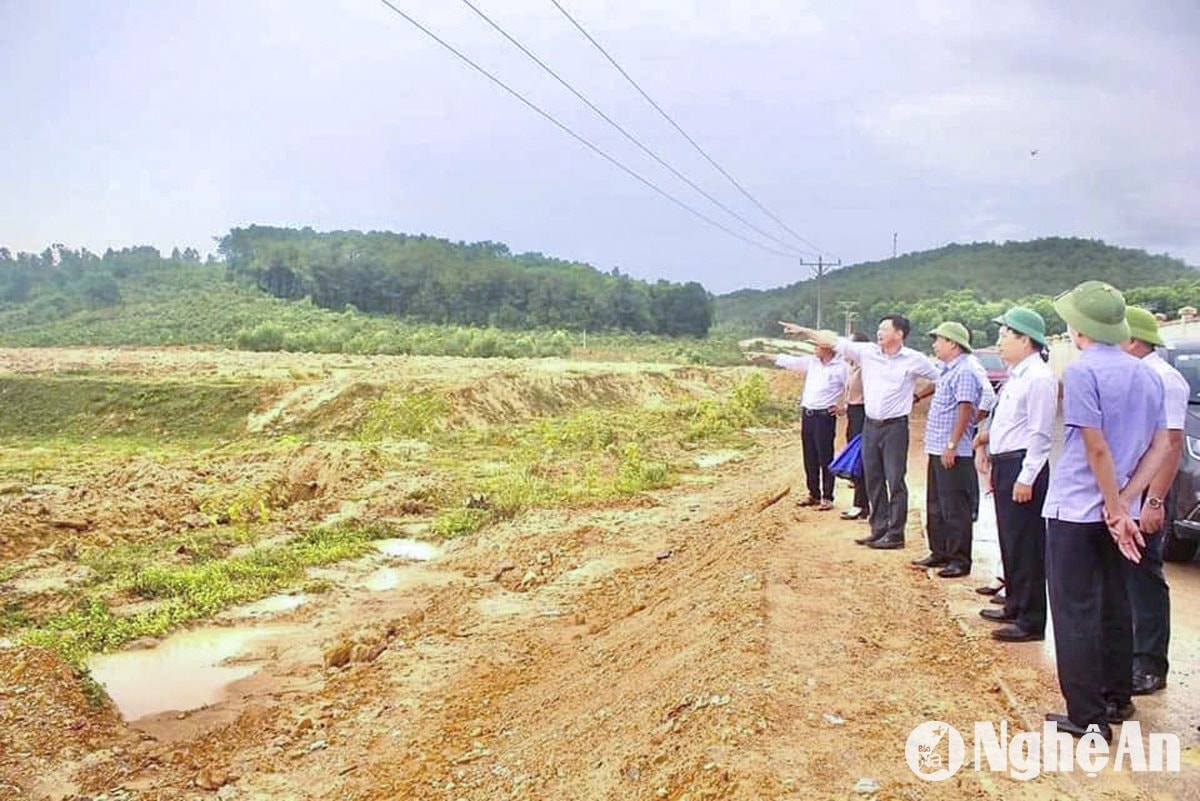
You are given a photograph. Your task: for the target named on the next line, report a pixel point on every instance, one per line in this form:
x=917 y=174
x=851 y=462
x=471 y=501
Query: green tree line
x=478 y=284
x=955 y=276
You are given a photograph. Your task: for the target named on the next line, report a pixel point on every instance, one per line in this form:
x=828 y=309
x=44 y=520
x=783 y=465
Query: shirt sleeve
x=1081 y=398
x=987 y=394
x=1041 y=405
x=1161 y=421
x=923 y=367
x=1177 y=393
x=849 y=349
x=790 y=362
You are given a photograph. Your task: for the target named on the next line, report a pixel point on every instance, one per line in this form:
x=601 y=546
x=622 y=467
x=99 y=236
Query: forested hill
x=988 y=272
x=435 y=280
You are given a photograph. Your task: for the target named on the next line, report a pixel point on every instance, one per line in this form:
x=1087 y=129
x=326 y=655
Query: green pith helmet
x=1096 y=310
x=1143 y=325
x=1025 y=321
x=955 y=332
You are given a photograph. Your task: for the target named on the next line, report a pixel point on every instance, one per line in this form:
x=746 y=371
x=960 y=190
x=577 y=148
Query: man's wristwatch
x=1154 y=503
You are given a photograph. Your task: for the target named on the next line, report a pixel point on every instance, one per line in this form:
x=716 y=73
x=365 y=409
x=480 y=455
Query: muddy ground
x=706 y=641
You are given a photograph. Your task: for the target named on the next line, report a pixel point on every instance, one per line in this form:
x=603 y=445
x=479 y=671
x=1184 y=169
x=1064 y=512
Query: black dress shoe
x=930 y=561
x=999 y=599
x=887 y=544
x=1016 y=634
x=996 y=616
x=809 y=501
x=954 y=571
x=1119 y=713
x=989 y=589
x=867 y=540
x=1064 y=724
x=1148 y=683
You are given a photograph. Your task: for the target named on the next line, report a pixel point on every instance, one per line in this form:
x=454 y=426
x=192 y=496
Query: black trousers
x=1150 y=607
x=948 y=510
x=1022 y=544
x=856 y=414
x=885 y=465
x=817 y=430
x=1093 y=633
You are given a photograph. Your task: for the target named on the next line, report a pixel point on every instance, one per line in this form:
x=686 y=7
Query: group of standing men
x=1089 y=530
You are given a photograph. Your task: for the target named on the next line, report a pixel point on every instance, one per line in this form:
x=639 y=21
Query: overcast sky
x=170 y=121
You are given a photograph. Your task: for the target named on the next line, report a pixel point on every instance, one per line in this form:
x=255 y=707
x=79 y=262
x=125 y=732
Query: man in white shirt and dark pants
x=1018 y=446
x=889 y=373
x=1149 y=598
x=824 y=384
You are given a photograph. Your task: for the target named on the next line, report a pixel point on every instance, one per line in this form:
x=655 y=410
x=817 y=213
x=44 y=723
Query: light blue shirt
x=1107 y=389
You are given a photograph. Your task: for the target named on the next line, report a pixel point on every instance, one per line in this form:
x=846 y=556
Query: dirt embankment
x=716 y=643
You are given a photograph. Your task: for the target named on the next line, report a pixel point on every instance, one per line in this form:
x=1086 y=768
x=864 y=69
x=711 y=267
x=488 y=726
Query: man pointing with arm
x=890 y=370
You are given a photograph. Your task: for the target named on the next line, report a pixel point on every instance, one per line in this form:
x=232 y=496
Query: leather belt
x=1008 y=456
x=816 y=412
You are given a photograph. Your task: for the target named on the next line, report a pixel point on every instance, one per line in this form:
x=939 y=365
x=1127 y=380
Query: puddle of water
x=717 y=458
x=274 y=605
x=404 y=548
x=382 y=580
x=184 y=672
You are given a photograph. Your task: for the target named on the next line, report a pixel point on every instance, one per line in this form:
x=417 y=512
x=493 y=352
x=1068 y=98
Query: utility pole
x=894 y=236
x=848 y=307
x=820 y=264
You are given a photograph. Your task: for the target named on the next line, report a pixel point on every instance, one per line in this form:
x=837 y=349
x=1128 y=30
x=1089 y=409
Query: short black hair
x=899 y=322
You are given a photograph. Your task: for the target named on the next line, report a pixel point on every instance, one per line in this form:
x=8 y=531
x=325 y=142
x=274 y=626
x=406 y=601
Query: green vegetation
x=200 y=584
x=78 y=408
x=480 y=284
x=958 y=280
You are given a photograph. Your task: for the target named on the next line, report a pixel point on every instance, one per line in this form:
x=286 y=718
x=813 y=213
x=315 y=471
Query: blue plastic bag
x=849 y=463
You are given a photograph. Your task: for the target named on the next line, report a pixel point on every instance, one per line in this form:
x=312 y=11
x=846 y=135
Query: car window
x=1189 y=365
x=993 y=362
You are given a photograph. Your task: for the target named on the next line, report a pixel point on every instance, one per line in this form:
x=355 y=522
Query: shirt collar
x=955 y=362
x=1021 y=367
x=1099 y=350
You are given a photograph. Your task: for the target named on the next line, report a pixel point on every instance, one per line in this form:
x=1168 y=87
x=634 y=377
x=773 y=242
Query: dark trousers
x=885 y=463
x=1093 y=632
x=856 y=414
x=1150 y=607
x=948 y=510
x=1022 y=544
x=817 y=429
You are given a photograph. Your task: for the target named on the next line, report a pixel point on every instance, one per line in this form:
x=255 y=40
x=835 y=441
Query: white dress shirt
x=888 y=381
x=1024 y=415
x=824 y=382
x=1176 y=391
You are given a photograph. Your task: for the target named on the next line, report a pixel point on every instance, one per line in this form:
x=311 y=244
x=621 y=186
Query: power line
x=626 y=133
x=586 y=143
x=682 y=132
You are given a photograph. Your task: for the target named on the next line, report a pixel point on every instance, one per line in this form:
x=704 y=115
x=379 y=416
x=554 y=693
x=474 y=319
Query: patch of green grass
x=459 y=521
x=188 y=592
x=71 y=408
x=414 y=415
